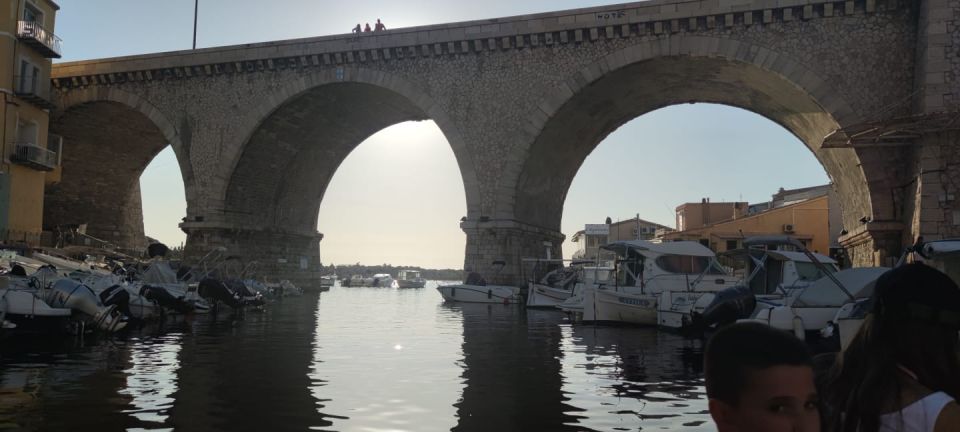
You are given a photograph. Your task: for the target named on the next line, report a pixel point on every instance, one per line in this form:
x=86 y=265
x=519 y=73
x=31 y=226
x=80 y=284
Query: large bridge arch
x=298 y=140
x=109 y=138
x=628 y=83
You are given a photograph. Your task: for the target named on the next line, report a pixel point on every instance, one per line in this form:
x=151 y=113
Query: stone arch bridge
x=259 y=129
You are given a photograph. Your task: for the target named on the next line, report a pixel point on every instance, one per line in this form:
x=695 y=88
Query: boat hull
x=617 y=306
x=480 y=293
x=542 y=296
x=411 y=283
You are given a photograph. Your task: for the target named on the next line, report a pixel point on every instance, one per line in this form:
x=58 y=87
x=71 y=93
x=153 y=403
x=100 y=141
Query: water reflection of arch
x=249 y=375
x=638 y=377
x=512 y=372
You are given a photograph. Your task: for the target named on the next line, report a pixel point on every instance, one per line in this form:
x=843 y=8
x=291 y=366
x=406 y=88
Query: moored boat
x=469 y=293
x=410 y=279
x=644 y=271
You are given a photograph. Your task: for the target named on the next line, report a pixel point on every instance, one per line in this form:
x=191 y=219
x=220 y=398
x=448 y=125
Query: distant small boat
x=410 y=279
x=378 y=280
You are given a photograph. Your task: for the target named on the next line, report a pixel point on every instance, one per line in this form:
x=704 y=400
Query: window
x=705 y=242
x=27 y=132
x=687 y=264
x=29 y=76
x=732 y=244
x=32 y=14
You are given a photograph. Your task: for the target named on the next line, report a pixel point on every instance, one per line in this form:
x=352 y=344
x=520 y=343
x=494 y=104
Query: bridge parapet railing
x=588 y=25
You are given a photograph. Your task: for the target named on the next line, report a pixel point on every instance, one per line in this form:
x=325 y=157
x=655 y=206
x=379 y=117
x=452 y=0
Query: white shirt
x=920 y=416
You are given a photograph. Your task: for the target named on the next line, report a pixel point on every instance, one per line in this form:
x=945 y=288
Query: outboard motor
x=116 y=296
x=162 y=297
x=218 y=291
x=68 y=293
x=727 y=307
x=18 y=270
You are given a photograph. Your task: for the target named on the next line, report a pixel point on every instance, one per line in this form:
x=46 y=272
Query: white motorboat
x=382 y=280
x=944 y=255
x=645 y=270
x=805 y=310
x=772 y=276
x=410 y=279
x=468 y=293
x=551 y=283
x=20 y=306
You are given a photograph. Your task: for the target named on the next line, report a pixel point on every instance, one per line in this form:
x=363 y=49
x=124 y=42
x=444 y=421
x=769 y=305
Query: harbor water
x=358 y=359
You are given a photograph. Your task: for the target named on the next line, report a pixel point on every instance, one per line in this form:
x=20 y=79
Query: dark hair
x=737 y=350
x=913 y=324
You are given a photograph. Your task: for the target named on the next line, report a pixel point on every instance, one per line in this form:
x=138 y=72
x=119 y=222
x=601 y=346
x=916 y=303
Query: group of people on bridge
x=376 y=28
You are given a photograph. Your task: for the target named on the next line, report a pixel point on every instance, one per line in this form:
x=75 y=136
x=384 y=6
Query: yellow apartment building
x=704 y=213
x=807 y=221
x=30 y=157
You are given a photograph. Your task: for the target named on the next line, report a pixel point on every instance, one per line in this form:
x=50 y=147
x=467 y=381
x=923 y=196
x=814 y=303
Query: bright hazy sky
x=374 y=213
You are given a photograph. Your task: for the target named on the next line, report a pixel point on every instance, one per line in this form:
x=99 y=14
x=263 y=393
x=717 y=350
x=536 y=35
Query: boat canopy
x=159 y=272
x=688 y=248
x=825 y=293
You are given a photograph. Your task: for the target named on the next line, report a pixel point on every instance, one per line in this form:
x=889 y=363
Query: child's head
x=760 y=379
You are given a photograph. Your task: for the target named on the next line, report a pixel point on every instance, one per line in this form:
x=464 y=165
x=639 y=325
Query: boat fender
x=453 y=291
x=798 y=330
x=489 y=294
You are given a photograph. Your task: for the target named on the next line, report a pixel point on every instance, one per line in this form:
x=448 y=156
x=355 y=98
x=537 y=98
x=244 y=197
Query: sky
x=648 y=167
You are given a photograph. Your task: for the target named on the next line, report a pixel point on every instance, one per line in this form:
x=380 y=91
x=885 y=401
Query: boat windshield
x=808 y=271
x=687 y=264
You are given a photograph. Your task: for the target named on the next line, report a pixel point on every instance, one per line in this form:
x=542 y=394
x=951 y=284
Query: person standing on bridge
x=367 y=28
x=356 y=30
x=379 y=26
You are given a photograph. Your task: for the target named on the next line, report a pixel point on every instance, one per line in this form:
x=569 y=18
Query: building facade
x=593 y=236
x=30 y=156
x=806 y=220
x=704 y=213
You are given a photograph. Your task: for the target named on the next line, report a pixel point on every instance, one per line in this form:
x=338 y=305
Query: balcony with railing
x=33 y=34
x=34 y=156
x=33 y=89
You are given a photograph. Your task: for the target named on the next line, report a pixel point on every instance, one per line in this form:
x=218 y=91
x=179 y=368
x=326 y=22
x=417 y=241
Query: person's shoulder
x=949 y=418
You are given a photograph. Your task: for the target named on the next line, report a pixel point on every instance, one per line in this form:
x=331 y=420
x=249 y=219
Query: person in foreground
x=760 y=379
x=901 y=371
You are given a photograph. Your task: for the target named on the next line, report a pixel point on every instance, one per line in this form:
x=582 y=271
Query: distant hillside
x=345 y=271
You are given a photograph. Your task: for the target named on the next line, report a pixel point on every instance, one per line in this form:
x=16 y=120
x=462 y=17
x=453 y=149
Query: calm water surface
x=359 y=359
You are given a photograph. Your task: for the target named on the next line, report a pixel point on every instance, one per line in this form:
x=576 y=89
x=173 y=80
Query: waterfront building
x=807 y=219
x=30 y=156
x=704 y=213
x=593 y=236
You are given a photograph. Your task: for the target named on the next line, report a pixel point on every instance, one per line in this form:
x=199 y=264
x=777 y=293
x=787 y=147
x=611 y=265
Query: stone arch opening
x=599 y=100
x=410 y=201
x=272 y=198
x=684 y=153
x=107 y=144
